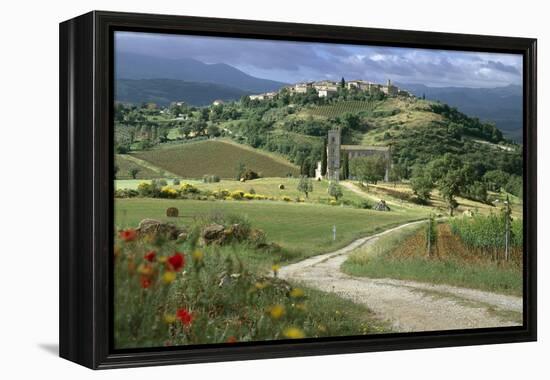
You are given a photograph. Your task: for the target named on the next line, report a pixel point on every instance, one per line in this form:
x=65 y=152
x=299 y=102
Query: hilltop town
x=328 y=88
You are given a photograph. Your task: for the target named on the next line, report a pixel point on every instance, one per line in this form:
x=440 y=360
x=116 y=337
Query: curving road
x=407 y=305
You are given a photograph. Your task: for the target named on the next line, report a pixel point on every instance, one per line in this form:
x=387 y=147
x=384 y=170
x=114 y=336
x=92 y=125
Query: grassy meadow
x=301 y=229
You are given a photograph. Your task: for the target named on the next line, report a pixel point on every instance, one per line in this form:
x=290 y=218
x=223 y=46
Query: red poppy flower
x=150 y=256
x=184 y=316
x=176 y=261
x=145 y=282
x=128 y=235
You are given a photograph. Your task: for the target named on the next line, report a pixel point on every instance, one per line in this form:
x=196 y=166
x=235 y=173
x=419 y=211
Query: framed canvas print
x=238 y=189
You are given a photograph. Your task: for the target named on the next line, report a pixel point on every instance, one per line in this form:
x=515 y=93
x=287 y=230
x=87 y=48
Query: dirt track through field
x=406 y=305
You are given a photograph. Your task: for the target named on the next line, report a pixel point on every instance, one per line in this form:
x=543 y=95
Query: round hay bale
x=172 y=212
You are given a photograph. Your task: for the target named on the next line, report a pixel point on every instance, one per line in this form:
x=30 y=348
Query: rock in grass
x=213 y=233
x=381 y=206
x=155 y=229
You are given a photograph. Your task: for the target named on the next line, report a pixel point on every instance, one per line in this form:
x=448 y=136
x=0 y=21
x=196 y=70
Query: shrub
x=249 y=174
x=252 y=191
x=208 y=178
x=145 y=189
x=236 y=195
x=176 y=182
x=286 y=198
x=248 y=196
x=187 y=188
x=281 y=187
x=168 y=192
x=126 y=193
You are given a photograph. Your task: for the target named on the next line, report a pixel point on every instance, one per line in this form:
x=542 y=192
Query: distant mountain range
x=136 y=66
x=501 y=105
x=165 y=91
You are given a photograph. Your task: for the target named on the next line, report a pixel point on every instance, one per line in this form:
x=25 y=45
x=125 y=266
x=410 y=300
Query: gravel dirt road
x=406 y=305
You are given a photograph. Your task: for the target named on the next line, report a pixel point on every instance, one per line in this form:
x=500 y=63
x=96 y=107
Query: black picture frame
x=86 y=188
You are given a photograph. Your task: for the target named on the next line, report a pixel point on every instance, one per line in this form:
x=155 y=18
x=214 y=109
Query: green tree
x=239 y=170
x=451 y=177
x=345 y=167
x=324 y=159
x=421 y=184
x=496 y=179
x=335 y=190
x=305 y=185
x=368 y=169
x=397 y=173
x=133 y=172
x=343 y=83
x=213 y=130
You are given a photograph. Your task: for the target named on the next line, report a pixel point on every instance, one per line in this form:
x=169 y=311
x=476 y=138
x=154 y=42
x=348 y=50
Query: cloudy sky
x=302 y=61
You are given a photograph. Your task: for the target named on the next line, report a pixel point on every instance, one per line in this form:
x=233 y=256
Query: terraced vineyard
x=340 y=108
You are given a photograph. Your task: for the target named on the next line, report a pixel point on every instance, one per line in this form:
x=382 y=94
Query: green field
x=303 y=228
x=216 y=157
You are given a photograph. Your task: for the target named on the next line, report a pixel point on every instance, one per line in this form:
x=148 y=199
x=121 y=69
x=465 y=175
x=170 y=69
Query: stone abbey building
x=335 y=152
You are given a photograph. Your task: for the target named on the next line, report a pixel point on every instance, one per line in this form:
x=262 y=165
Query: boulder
x=153 y=228
x=213 y=233
x=381 y=206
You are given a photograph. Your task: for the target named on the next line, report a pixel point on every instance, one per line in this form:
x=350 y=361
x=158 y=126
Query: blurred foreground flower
x=293 y=333
x=169 y=318
x=276 y=311
x=184 y=316
x=198 y=255
x=150 y=256
x=128 y=235
x=297 y=293
x=176 y=261
x=168 y=277
x=145 y=282
x=275 y=268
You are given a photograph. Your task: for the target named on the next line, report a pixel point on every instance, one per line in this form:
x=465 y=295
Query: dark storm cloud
x=298 y=61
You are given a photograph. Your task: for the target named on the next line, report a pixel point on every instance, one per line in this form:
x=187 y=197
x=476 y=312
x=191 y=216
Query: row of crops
x=340 y=108
x=488 y=232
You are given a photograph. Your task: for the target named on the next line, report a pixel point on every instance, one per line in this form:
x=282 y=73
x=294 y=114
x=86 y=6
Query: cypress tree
x=324 y=159
x=345 y=166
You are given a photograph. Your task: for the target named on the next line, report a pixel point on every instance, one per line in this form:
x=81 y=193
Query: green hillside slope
x=215 y=157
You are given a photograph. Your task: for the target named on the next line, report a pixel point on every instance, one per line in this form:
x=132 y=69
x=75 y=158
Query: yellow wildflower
x=169 y=318
x=293 y=333
x=276 y=311
x=145 y=269
x=260 y=285
x=297 y=293
x=300 y=306
x=275 y=268
x=168 y=277
x=162 y=259
x=198 y=255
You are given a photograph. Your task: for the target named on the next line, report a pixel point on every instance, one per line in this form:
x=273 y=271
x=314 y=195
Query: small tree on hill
x=422 y=185
x=133 y=172
x=335 y=190
x=305 y=185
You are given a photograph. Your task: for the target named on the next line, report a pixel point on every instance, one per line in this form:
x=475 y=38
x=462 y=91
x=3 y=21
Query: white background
x=29 y=188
